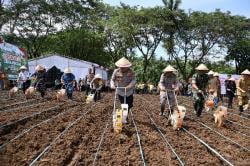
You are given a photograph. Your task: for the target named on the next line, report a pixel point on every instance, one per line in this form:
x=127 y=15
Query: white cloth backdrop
x=79 y=67
x=222 y=78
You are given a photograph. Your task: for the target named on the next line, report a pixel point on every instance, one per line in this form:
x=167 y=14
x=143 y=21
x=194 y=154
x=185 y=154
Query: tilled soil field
x=46 y=132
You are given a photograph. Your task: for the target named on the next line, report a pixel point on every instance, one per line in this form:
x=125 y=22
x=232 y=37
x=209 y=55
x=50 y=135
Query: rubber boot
x=241 y=108
x=168 y=116
x=42 y=94
x=195 y=104
x=161 y=111
x=199 y=108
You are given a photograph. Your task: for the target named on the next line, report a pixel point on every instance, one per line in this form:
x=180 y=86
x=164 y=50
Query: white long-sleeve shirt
x=23 y=76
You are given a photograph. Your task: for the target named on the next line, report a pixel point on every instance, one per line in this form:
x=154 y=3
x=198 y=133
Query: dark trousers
x=87 y=89
x=41 y=88
x=69 y=90
x=129 y=100
x=58 y=86
x=25 y=86
x=230 y=99
x=97 y=95
x=199 y=104
x=1 y=84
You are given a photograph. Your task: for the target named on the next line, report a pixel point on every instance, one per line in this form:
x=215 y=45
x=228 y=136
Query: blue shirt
x=68 y=78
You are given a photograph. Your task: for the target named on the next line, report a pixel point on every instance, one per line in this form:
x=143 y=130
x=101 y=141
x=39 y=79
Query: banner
x=11 y=59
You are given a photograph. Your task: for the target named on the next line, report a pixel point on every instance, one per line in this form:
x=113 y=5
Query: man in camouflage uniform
x=243 y=88
x=88 y=80
x=199 y=88
x=168 y=84
x=124 y=77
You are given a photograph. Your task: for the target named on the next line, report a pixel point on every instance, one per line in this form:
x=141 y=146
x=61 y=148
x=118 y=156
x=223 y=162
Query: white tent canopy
x=79 y=67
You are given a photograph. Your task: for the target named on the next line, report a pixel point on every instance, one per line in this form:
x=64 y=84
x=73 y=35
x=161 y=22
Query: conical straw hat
x=169 y=68
x=246 y=72
x=39 y=68
x=210 y=72
x=98 y=76
x=67 y=70
x=201 y=67
x=23 y=68
x=216 y=74
x=123 y=62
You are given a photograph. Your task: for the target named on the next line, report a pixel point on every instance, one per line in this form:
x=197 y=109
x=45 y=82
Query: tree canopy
x=97 y=32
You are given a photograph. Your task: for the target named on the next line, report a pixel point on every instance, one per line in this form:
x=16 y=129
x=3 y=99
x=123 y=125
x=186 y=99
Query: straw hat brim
x=98 y=76
x=123 y=62
x=216 y=74
x=39 y=68
x=67 y=71
x=169 y=68
x=23 y=68
x=202 y=67
x=210 y=72
x=246 y=72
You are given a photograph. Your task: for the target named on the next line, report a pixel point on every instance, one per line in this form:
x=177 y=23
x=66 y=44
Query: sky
x=236 y=7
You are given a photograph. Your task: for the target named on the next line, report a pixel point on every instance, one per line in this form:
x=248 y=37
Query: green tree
x=198 y=37
x=146 y=28
x=154 y=70
x=79 y=43
x=240 y=54
x=118 y=44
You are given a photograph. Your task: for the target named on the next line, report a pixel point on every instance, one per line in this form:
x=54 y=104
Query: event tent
x=79 y=67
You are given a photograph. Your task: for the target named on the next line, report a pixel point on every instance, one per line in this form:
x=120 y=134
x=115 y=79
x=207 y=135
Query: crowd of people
x=201 y=85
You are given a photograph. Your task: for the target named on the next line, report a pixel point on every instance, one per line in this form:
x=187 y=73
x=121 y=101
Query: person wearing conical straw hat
x=218 y=83
x=124 y=76
x=39 y=79
x=23 y=78
x=230 y=90
x=96 y=86
x=68 y=81
x=89 y=77
x=167 y=84
x=210 y=76
x=243 y=89
x=199 y=88
x=214 y=88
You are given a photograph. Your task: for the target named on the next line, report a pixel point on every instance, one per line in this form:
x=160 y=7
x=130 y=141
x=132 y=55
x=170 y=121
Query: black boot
x=195 y=107
x=42 y=94
x=199 y=108
x=168 y=116
x=241 y=108
x=161 y=111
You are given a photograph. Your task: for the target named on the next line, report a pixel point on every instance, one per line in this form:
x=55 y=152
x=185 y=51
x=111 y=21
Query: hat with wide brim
x=246 y=72
x=98 y=76
x=123 y=62
x=210 y=72
x=231 y=79
x=202 y=67
x=23 y=68
x=216 y=74
x=39 y=68
x=169 y=68
x=67 y=70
